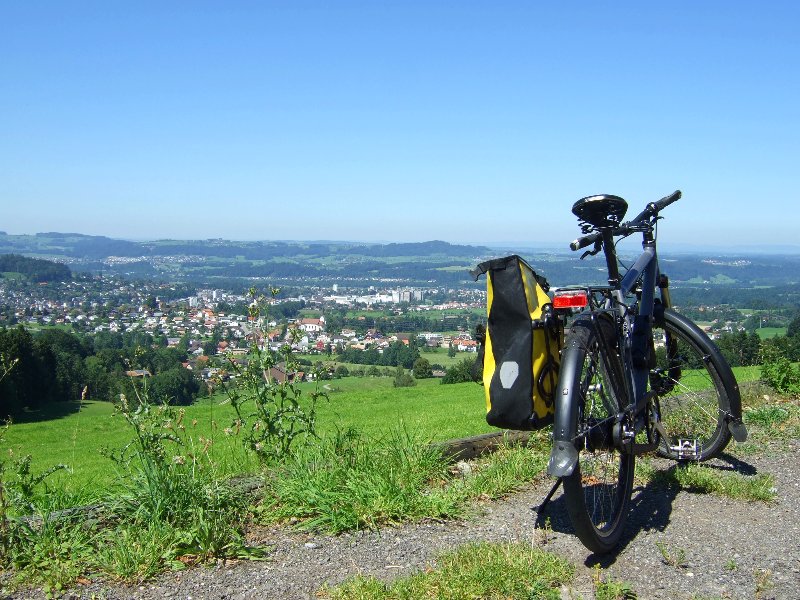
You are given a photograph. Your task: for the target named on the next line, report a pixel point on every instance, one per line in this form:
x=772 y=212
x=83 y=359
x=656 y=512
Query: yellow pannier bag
x=522 y=345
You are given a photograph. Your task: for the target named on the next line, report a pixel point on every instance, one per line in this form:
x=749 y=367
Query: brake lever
x=598 y=245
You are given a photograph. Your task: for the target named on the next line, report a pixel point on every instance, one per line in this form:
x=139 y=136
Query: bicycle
x=635 y=377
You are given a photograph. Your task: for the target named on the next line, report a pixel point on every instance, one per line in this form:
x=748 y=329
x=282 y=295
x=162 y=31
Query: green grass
x=433 y=356
x=705 y=479
x=770 y=332
x=432 y=410
x=351 y=481
x=12 y=275
x=372 y=405
x=79 y=439
x=513 y=571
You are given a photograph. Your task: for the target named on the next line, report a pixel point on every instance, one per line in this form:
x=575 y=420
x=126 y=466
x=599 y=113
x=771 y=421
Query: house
x=467 y=346
x=278 y=374
x=138 y=373
x=312 y=325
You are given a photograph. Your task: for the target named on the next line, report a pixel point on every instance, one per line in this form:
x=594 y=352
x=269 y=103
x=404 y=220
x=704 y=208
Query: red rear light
x=570 y=299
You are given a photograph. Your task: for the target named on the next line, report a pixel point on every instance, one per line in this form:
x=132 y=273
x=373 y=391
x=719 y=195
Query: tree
x=422 y=369
x=451 y=351
x=175 y=386
x=341 y=371
x=98 y=381
x=18 y=389
x=793 y=330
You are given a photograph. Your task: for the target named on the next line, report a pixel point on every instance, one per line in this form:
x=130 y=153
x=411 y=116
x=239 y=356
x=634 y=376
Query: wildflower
x=178 y=459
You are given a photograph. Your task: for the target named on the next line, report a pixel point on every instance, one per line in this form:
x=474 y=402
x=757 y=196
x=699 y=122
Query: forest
x=59 y=366
x=35 y=269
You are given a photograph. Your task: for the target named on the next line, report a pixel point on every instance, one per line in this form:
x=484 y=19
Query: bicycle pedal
x=686 y=449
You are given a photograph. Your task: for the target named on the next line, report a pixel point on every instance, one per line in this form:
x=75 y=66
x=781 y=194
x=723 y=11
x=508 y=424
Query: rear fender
x=564 y=453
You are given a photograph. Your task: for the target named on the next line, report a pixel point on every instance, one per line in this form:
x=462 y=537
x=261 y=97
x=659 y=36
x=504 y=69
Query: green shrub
x=461 y=372
x=778 y=372
x=422 y=369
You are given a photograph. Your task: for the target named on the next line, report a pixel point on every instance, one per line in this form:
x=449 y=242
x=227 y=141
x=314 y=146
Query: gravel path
x=732 y=549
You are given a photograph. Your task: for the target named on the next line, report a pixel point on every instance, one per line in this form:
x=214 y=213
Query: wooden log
x=475 y=446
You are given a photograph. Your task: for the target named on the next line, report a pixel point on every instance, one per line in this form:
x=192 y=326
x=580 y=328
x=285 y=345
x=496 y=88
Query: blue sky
x=465 y=121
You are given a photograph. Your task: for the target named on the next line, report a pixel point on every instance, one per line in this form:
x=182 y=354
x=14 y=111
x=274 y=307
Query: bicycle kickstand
x=545 y=502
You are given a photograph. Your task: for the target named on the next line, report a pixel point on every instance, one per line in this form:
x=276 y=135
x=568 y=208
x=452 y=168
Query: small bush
x=778 y=372
x=460 y=372
x=404 y=380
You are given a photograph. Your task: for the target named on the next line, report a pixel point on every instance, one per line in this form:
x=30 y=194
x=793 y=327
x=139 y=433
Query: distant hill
x=35 y=269
x=323 y=263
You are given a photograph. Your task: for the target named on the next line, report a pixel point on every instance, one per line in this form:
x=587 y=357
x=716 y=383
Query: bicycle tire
x=597 y=492
x=695 y=386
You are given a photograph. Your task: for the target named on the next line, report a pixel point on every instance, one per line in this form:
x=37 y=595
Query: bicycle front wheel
x=597 y=493
x=695 y=386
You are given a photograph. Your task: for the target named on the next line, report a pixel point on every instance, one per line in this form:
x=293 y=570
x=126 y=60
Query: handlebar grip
x=587 y=240
x=653 y=209
x=667 y=200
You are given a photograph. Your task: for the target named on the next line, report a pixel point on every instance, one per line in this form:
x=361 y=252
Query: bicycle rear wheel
x=695 y=386
x=597 y=493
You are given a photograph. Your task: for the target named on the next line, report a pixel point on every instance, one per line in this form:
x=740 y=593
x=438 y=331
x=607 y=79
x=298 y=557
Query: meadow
x=435 y=356
x=373 y=466
x=78 y=435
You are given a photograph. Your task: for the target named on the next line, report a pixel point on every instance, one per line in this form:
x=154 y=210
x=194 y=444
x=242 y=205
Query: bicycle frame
x=638 y=327
x=641 y=280
x=612 y=389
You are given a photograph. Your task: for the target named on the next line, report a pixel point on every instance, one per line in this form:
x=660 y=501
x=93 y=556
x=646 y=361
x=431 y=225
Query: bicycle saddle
x=603 y=210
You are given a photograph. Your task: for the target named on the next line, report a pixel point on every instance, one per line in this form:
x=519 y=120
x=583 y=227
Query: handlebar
x=584 y=241
x=651 y=210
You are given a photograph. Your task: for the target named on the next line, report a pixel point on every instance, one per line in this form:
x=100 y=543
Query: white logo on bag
x=509 y=371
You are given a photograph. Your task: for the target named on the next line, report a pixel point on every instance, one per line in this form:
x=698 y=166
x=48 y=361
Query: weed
x=544 y=533
x=266 y=395
x=170 y=484
x=605 y=588
x=731 y=565
x=767 y=416
x=42 y=540
x=778 y=372
x=349 y=481
x=614 y=590
x=673 y=557
x=763 y=581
